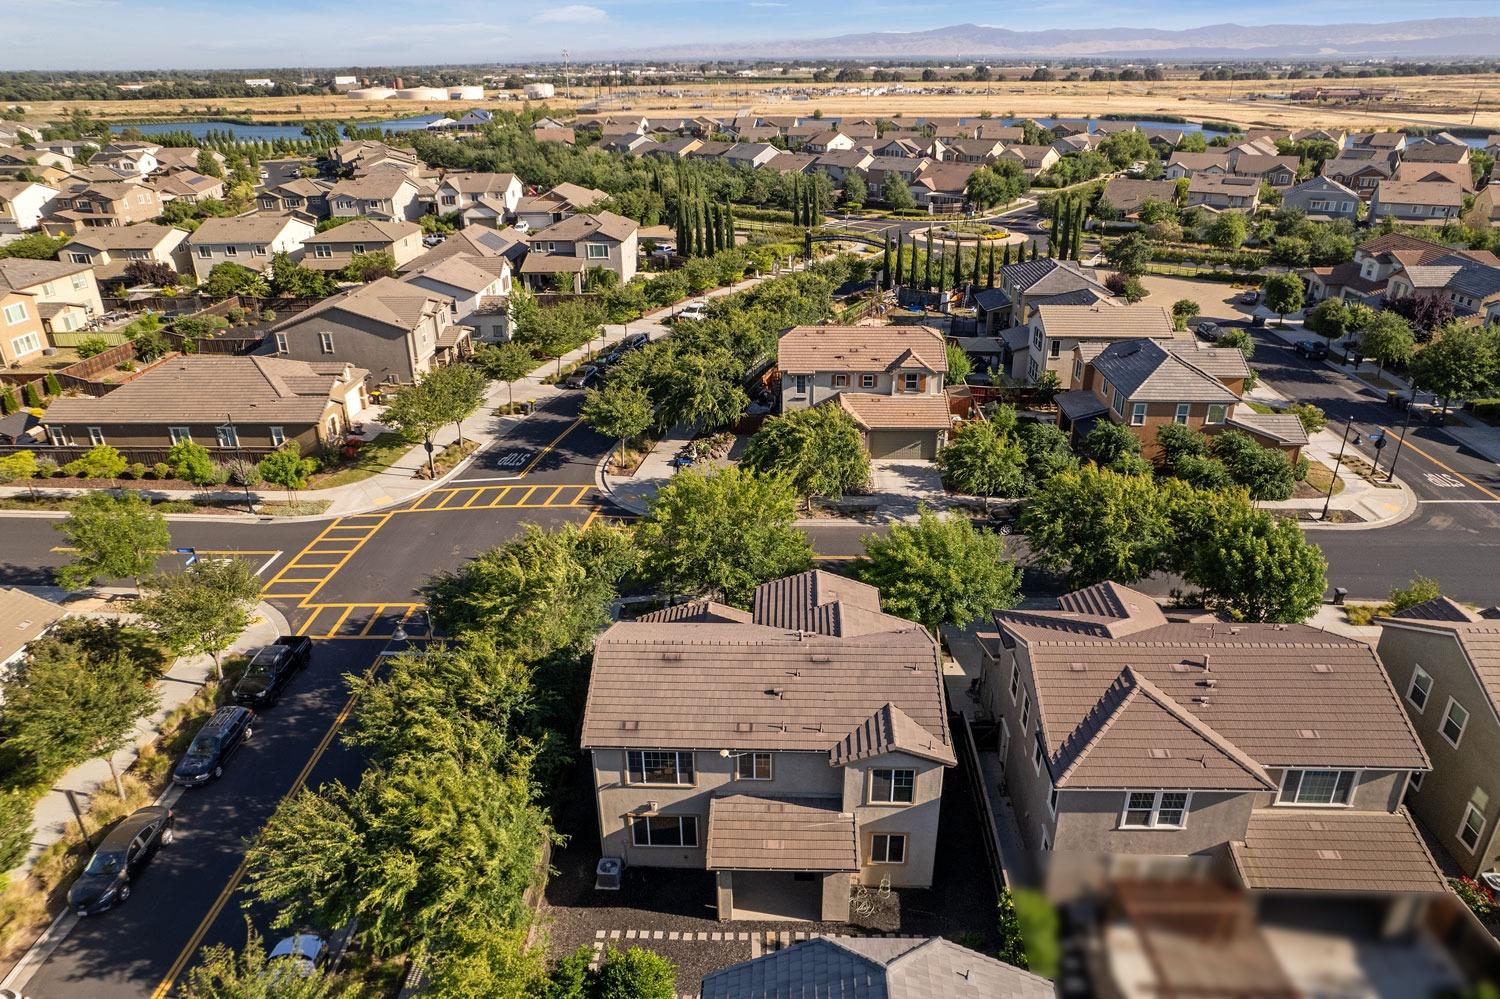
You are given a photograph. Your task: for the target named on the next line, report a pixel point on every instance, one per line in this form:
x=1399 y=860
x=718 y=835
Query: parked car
x=433 y=240
x=219 y=738
x=1210 y=331
x=1313 y=350
x=523 y=226
x=305 y=952
x=635 y=341
x=1001 y=519
x=271 y=669
x=979 y=378
x=1251 y=297
x=582 y=377
x=696 y=311
x=126 y=850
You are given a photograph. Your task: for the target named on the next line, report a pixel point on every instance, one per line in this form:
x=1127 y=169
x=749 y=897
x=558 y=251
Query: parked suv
x=1313 y=350
x=271 y=669
x=586 y=376
x=212 y=747
x=1210 y=331
x=129 y=847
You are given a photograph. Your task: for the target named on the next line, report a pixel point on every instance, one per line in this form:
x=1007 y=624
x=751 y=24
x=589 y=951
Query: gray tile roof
x=794 y=602
x=17 y=273
x=699 y=611
x=1334 y=851
x=1281 y=427
x=1438 y=609
x=386 y=300
x=890 y=730
x=752 y=833
x=364 y=231
x=1144 y=371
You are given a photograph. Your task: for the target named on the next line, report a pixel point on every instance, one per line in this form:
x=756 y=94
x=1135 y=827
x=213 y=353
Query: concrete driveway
x=902 y=484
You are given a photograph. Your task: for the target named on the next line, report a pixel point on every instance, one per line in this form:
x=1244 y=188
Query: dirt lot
x=1214 y=298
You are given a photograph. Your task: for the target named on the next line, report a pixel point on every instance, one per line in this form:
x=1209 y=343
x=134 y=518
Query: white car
x=523 y=226
x=304 y=952
x=696 y=311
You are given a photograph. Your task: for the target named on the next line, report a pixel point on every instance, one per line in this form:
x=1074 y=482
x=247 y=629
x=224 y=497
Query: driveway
x=903 y=484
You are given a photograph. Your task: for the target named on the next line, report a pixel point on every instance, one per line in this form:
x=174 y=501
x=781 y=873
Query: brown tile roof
x=751 y=833
x=1194 y=162
x=890 y=730
x=796 y=602
x=1280 y=427
x=1457 y=174
x=1335 y=851
x=1128 y=195
x=809 y=349
x=256 y=228
x=578 y=227
x=365 y=231
x=377 y=185
x=386 y=300
x=1145 y=371
x=553 y=263
x=18 y=273
x=467 y=273
x=145 y=235
x=1419 y=193
x=475 y=182
x=1093 y=322
x=907 y=411
x=699 y=611
x=23 y=619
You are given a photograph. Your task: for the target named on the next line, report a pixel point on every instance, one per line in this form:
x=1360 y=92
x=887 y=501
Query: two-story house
x=1124 y=197
x=110 y=250
x=54 y=284
x=1033 y=159
x=1278 y=171
x=22 y=337
x=602 y=240
x=387 y=193
x=1444 y=659
x=1365 y=278
x=333 y=249
x=128 y=159
x=188 y=186
x=1468 y=279
x=1195 y=164
x=306 y=196
x=1360 y=174
x=1026 y=284
x=888 y=378
x=460 y=190
x=539 y=211
x=1224 y=193
x=393 y=330
x=248 y=240
x=1457 y=174
x=171 y=159
x=22 y=205
x=479 y=286
x=1053 y=331
x=103 y=203
x=840 y=163
x=1277 y=754
x=826 y=141
x=795 y=750
x=1416 y=202
x=1322 y=199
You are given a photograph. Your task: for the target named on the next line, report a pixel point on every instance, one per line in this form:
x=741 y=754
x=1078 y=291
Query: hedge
x=1487 y=410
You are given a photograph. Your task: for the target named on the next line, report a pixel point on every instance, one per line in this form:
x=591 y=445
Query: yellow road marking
x=527 y=495
x=339 y=623
x=307 y=628
x=593 y=516
x=65 y=549
x=499 y=499
x=548 y=449
x=1456 y=474
x=473 y=499
x=552 y=496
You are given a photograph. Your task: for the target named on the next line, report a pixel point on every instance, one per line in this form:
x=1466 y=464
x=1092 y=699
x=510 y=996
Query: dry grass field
x=1443 y=101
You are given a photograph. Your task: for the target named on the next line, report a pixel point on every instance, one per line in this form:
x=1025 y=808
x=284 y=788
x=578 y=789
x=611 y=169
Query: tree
x=1426 y=313
x=635 y=974
x=1177 y=441
x=19 y=466
x=458 y=390
x=1096 y=524
x=506 y=362
x=894 y=192
x=622 y=411
x=290 y=279
x=1112 y=445
x=250 y=974
x=113 y=537
x=1420 y=590
x=285 y=467
x=1329 y=318
x=959 y=364
x=99 y=462
x=208 y=164
x=202 y=610
x=1182 y=310
x=416 y=413
x=1259 y=568
x=1312 y=418
x=192 y=463
x=819 y=451
x=940 y=570
x=1130 y=254
x=1228 y=230
x=1284 y=293
x=152 y=272
x=724 y=532
x=228 y=279
x=1460 y=363
x=371 y=266
x=15 y=827
x=982 y=459
x=1388 y=339
x=1266 y=472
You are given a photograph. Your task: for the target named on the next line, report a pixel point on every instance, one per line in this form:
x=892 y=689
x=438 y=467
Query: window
x=840 y=381
x=280 y=343
x=1472 y=827
x=27 y=344
x=278 y=436
x=1420 y=689
x=231 y=251
x=665 y=830
x=1416 y=780
x=596 y=251
x=1052 y=802
x=260 y=250
x=1036 y=338
x=653 y=766
x=325 y=340
x=911 y=382
x=227 y=435
x=205 y=252
x=1054 y=349
x=752 y=766
x=359 y=248
x=1138 y=415
x=1154 y=810
x=96 y=436
x=801 y=385
x=888 y=848
x=893 y=787
x=178 y=434
x=1015 y=680
x=79 y=258
x=1025 y=708
x=322 y=251
x=1078 y=369
x=15 y=313
x=449 y=199
x=1316 y=787
x=1118 y=403
x=1038 y=754
x=57 y=437
x=1455 y=720
x=1215 y=415
x=866 y=381
x=1182 y=413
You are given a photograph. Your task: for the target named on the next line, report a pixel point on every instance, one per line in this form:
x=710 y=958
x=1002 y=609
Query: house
x=334 y=249
x=1322 y=199
x=888 y=967
x=1193 y=164
x=479 y=287
x=1026 y=284
x=1164 y=140
x=247 y=240
x=1366 y=277
x=1384 y=143
x=1360 y=175
x=128 y=159
x=785 y=163
x=393 y=330
x=627 y=143
x=752 y=155
x=943 y=186
x=1277 y=754
x=1468 y=279
x=560 y=202
x=388 y=194
x=1334 y=135
x=670 y=149
x=1444 y=660
x=1126 y=196
x=359 y=156
x=52 y=282
x=1457 y=174
x=1009 y=134
x=793 y=750
x=459 y=191
x=602 y=240
x=888 y=378
x=22 y=205
x=1416 y=203
x=840 y=163
x=14 y=133
x=975 y=150
x=188 y=186
x=1055 y=331
x=110 y=250
x=1485 y=211
x=101 y=203
x=22 y=336
x=827 y=141
x=1084 y=142
x=303 y=195
x=1278 y=171
x=709 y=149
x=1221 y=193
x=173 y=158
x=230 y=405
x=1436 y=152
x=23 y=619
x=1033 y=159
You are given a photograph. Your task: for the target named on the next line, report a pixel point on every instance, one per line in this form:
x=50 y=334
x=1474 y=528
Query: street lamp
x=1390 y=473
x=1348 y=426
x=1379 y=441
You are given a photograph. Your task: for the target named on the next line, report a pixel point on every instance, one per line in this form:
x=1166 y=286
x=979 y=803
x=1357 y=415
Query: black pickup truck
x=271 y=668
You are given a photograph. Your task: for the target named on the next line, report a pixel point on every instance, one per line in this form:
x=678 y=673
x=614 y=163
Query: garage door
x=903 y=444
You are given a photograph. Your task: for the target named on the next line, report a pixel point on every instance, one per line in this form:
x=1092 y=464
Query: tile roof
x=386 y=300
x=1128 y=195
x=906 y=411
x=1280 y=427
x=795 y=602
x=1441 y=152
x=700 y=611
x=1194 y=162
x=1098 y=322
x=1405 y=192
x=1146 y=372
x=23 y=619
x=472 y=274
x=1255 y=165
x=365 y=231
x=476 y=182
x=890 y=730
x=1393 y=241
x=553 y=263
x=875 y=968
x=17 y=273
x=1439 y=608
x=377 y=185
x=1457 y=174
x=808 y=349
x=1045 y=276
x=254 y=228
x=1079 y=404
x=1220 y=362
x=144 y=235
x=577 y=227
x=1335 y=851
x=751 y=833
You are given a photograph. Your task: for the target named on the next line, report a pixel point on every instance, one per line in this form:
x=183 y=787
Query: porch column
x=724 y=893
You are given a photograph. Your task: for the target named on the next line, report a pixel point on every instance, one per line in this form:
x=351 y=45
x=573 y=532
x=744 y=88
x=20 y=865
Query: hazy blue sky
x=112 y=34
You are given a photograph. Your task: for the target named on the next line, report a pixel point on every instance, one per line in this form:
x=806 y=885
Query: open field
x=1442 y=101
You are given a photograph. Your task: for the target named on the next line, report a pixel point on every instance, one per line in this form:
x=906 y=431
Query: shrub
x=138 y=470
x=125 y=366
x=9 y=403
x=191 y=463
x=33 y=397
x=235 y=315
x=53 y=386
x=1418 y=591
x=91 y=346
x=1128 y=288
x=1486 y=409
x=1313 y=419
x=197 y=327
x=241 y=472
x=161 y=470
x=268 y=315
x=45 y=468
x=150 y=346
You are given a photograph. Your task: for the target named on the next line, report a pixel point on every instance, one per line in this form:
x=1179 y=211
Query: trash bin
x=1339 y=594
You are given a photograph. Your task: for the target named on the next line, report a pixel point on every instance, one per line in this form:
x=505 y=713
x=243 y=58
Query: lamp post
x=1379 y=441
x=1348 y=426
x=1390 y=473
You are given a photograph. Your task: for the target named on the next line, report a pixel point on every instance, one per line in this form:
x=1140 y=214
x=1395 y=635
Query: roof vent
x=1205 y=662
x=821 y=657
x=1160 y=754
x=672 y=657
x=1322 y=668
x=1329 y=855
x=1307 y=733
x=775 y=692
x=1078 y=667
x=1209 y=681
x=630 y=726
x=1201 y=699
x=743 y=726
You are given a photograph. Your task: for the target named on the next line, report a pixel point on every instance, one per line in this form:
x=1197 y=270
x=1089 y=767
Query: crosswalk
x=456 y=498
x=365 y=620
x=311 y=568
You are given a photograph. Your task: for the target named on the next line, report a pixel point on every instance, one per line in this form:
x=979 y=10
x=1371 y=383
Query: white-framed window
x=57 y=436
x=1038 y=754
x=231 y=251
x=260 y=249
x=1015 y=680
x=179 y=434
x=325 y=340
x=659 y=767
x=227 y=435
x=801 y=383
x=79 y=258
x=596 y=251
x=1052 y=802
x=892 y=786
x=840 y=381
x=1138 y=414
x=888 y=848
x=1215 y=415
x=1317 y=787
x=752 y=766
x=1155 y=810
x=16 y=313
x=866 y=381
x=1078 y=369
x=665 y=830
x=911 y=382
x=1181 y=416
x=1025 y=708
x=1420 y=689
x=359 y=248
x=1471 y=828
x=26 y=343
x=205 y=252
x=1054 y=349
x=1455 y=720
x=1046 y=840
x=1117 y=401
x=280 y=342
x=1416 y=780
x=278 y=436
x=1036 y=338
x=96 y=436
x=322 y=251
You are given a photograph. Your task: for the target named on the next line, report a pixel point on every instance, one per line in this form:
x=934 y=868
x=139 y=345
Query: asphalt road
x=1026 y=222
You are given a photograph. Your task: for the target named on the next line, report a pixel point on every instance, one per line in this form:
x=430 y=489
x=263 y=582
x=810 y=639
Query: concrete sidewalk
x=53 y=815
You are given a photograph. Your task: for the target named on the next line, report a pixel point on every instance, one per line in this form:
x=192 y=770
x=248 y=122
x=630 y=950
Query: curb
x=601 y=482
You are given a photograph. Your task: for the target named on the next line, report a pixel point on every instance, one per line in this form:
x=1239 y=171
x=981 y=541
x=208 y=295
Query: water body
x=198 y=129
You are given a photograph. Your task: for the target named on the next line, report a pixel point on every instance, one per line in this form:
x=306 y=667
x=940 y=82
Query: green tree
x=203 y=610
x=113 y=537
x=1229 y=230
x=1257 y=567
x=250 y=974
x=1096 y=524
x=285 y=467
x=192 y=463
x=1420 y=590
x=15 y=827
x=371 y=266
x=819 y=451
x=1113 y=446
x=1459 y=363
x=1312 y=418
x=1176 y=441
x=290 y=279
x=1130 y=254
x=982 y=459
x=724 y=532
x=416 y=413
x=506 y=362
x=99 y=462
x=458 y=390
x=940 y=570
x=1266 y=472
x=635 y=974
x=1182 y=310
x=228 y=279
x=1388 y=339
x=622 y=411
x=208 y=164
x=19 y=466
x=1284 y=293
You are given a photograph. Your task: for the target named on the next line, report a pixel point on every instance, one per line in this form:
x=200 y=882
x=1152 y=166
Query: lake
x=200 y=128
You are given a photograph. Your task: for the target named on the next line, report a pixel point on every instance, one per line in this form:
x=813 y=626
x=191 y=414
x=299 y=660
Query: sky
x=211 y=34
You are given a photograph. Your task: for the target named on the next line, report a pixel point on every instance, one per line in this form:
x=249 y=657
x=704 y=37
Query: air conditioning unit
x=607 y=874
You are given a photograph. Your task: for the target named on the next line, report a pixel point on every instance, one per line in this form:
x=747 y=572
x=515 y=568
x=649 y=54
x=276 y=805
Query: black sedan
x=212 y=747
x=105 y=881
x=1313 y=350
x=583 y=377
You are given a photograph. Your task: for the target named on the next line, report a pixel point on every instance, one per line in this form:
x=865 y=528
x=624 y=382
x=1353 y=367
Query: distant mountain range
x=1448 y=37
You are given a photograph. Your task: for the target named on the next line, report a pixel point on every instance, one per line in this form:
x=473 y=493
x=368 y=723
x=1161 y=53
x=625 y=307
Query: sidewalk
x=53 y=815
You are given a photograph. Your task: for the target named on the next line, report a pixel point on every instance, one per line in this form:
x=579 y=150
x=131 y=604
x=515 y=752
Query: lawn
x=1316 y=483
x=373 y=458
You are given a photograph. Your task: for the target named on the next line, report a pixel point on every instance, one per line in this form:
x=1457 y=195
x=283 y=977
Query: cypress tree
x=990 y=280
x=927 y=279
x=1057 y=246
x=885 y=267
x=710 y=231
x=974 y=277
x=899 y=251
x=705 y=233
x=958 y=265
x=1056 y=218
x=1033 y=249
x=729 y=216
x=1078 y=234
x=942 y=269
x=796 y=201
x=1005 y=258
